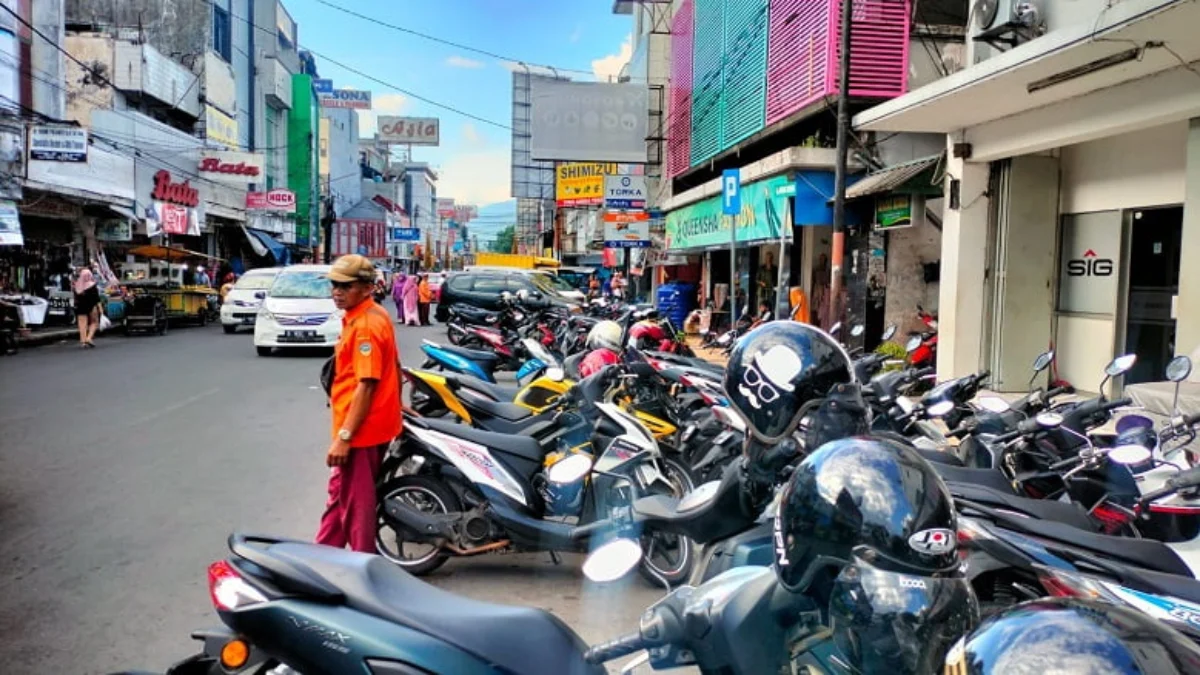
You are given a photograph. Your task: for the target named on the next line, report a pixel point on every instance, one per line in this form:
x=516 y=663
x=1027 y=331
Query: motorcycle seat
x=1158 y=583
x=499 y=392
x=478 y=356
x=513 y=444
x=571 y=366
x=512 y=639
x=989 y=478
x=1045 y=509
x=939 y=457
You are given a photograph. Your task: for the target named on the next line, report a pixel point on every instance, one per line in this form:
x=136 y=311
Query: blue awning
x=277 y=249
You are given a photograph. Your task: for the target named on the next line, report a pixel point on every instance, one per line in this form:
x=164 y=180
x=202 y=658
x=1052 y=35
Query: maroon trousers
x=350 y=511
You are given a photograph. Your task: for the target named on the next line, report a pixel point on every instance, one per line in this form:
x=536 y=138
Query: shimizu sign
x=581 y=184
x=241 y=168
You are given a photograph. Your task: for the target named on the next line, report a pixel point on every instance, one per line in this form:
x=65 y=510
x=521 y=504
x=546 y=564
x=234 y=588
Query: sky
x=473 y=159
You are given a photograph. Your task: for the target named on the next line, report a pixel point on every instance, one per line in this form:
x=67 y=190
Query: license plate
x=247 y=319
x=300 y=336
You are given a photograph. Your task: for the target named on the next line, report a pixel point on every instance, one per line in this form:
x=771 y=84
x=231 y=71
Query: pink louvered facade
x=802 y=52
x=679 y=93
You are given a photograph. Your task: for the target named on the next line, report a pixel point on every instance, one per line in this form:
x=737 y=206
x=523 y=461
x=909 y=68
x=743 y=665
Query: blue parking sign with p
x=731 y=192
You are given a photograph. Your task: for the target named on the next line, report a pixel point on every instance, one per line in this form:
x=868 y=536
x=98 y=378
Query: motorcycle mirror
x=1179 y=369
x=940 y=409
x=1043 y=360
x=555 y=374
x=994 y=404
x=913 y=344
x=835 y=328
x=858 y=330
x=1129 y=454
x=888 y=333
x=1049 y=420
x=612 y=560
x=1120 y=365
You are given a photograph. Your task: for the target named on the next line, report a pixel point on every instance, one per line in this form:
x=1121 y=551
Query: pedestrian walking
x=799 y=304
x=424 y=297
x=364 y=393
x=397 y=294
x=87 y=306
x=410 y=301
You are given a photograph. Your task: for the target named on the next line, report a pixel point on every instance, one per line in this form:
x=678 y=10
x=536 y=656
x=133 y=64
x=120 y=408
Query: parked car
x=241 y=303
x=436 y=279
x=483 y=289
x=577 y=277
x=298 y=311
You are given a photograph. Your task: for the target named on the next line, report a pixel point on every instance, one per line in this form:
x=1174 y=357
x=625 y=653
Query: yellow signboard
x=581 y=184
x=220 y=127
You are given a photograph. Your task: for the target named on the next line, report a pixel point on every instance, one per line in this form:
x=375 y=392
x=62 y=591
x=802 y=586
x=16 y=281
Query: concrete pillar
x=964 y=258
x=1187 y=306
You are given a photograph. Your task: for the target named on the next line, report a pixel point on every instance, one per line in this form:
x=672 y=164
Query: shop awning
x=123 y=212
x=274 y=246
x=901 y=178
x=169 y=253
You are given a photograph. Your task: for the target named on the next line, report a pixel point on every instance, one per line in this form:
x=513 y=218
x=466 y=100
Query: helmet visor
x=886 y=622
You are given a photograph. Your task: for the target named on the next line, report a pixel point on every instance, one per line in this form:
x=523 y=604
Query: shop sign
x=278 y=199
x=581 y=183
x=445 y=207
x=51 y=207
x=10 y=224
x=465 y=213
x=220 y=127
x=181 y=194
x=409 y=130
x=346 y=98
x=406 y=234
x=626 y=216
x=893 y=212
x=58 y=144
x=625 y=234
x=117 y=229
x=1088 y=271
x=163 y=217
x=231 y=167
x=624 y=192
x=702 y=224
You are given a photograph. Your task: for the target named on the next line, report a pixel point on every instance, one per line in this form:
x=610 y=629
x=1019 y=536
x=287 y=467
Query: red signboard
x=174 y=219
x=182 y=194
x=627 y=217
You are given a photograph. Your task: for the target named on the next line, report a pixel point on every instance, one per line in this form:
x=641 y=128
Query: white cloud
x=464 y=62
x=576 y=34
x=386 y=104
x=610 y=66
x=476 y=177
x=472 y=138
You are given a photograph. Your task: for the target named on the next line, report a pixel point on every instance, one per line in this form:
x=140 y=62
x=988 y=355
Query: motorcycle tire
x=681 y=479
x=440 y=496
x=452 y=335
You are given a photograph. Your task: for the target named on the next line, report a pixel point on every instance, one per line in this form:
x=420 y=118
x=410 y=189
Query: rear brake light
x=228 y=590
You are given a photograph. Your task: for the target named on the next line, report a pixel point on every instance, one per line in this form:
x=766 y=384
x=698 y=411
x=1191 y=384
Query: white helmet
x=605 y=335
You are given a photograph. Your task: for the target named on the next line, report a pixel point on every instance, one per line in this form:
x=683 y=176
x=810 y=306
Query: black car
x=483 y=289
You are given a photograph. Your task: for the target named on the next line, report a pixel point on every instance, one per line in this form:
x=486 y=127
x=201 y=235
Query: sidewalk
x=716 y=356
x=43 y=336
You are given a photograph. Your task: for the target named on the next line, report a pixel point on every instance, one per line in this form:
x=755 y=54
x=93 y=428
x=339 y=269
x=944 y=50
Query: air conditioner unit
x=1007 y=22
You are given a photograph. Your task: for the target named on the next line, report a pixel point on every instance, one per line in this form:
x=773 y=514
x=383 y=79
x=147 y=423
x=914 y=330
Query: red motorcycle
x=658 y=336
x=922 y=347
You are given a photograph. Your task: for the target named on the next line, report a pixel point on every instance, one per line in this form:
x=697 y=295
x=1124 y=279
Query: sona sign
x=346 y=98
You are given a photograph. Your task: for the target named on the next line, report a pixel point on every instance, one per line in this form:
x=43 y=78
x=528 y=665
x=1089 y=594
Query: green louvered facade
x=745 y=104
x=708 y=84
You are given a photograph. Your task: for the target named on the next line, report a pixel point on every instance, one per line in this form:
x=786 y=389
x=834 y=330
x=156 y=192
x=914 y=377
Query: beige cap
x=352 y=267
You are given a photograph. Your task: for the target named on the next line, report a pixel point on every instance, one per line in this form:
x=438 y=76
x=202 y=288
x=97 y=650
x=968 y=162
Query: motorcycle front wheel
x=669 y=558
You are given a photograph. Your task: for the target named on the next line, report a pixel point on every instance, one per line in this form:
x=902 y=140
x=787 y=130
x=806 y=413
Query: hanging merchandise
x=10 y=224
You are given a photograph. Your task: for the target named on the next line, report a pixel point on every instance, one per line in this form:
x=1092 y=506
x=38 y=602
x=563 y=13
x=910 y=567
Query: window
x=272 y=124
x=222 y=35
x=460 y=283
x=490 y=284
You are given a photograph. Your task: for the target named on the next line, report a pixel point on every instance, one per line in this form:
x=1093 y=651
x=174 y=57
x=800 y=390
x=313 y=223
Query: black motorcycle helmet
x=778 y=367
x=1069 y=635
x=875 y=517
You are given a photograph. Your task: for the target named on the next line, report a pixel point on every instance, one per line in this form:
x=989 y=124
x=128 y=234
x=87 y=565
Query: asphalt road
x=124 y=468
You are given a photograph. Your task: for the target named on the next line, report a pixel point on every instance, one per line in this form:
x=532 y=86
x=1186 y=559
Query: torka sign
x=182 y=194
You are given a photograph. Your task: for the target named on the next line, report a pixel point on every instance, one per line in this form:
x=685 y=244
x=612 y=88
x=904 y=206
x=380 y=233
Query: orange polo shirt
x=367 y=351
x=424 y=294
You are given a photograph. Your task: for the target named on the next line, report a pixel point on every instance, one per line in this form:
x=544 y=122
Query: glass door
x=1154 y=246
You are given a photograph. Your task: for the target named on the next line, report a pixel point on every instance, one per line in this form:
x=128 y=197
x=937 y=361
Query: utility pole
x=839 y=175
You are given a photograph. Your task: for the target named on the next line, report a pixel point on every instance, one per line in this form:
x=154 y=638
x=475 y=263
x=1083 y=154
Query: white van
x=298 y=311
x=242 y=301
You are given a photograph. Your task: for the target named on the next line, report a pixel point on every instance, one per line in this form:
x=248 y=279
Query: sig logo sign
x=1090 y=265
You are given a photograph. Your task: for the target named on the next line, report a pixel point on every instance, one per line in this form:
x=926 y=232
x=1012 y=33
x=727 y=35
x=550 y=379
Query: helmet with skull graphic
x=776 y=369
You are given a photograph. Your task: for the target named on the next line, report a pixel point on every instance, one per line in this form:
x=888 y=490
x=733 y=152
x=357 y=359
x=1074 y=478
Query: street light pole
x=839 y=175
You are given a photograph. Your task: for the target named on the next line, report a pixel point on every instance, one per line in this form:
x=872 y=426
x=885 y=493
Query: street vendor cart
x=156 y=301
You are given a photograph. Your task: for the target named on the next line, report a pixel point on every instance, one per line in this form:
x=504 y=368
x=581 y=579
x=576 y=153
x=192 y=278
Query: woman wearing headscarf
x=398 y=295
x=410 y=301
x=87 y=307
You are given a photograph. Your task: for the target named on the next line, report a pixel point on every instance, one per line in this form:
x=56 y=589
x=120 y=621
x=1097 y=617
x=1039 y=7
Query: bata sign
x=232 y=167
x=275 y=200
x=182 y=194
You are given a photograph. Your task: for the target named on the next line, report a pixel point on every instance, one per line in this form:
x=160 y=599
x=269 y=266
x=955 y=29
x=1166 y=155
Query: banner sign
x=117 y=229
x=323 y=86
x=581 y=184
x=171 y=219
x=624 y=192
x=588 y=121
x=626 y=217
x=445 y=207
x=346 y=98
x=409 y=130
x=702 y=224
x=406 y=234
x=635 y=234
x=58 y=144
x=465 y=213
x=10 y=224
x=893 y=212
x=241 y=168
x=278 y=199
x=220 y=127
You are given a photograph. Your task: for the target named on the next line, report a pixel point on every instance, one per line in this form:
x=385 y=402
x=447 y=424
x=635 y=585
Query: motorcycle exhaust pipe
x=397 y=513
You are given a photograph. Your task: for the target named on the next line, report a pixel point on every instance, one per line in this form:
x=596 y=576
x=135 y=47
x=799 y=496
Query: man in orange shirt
x=424 y=297
x=365 y=397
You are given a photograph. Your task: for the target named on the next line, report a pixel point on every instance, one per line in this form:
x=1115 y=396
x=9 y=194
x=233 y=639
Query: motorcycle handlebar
x=615 y=649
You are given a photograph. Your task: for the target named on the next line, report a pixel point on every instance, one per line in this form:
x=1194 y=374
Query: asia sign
x=58 y=143
x=702 y=224
x=279 y=199
x=345 y=98
x=581 y=184
x=624 y=192
x=241 y=168
x=409 y=130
